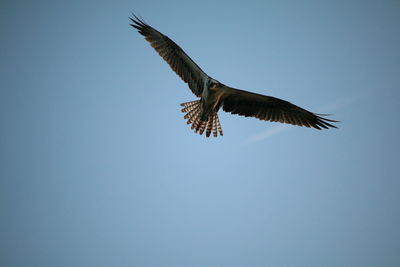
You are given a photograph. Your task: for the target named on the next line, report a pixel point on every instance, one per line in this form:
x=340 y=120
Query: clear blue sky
x=98 y=166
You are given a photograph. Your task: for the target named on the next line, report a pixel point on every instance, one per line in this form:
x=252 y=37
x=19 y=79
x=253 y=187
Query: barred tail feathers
x=212 y=125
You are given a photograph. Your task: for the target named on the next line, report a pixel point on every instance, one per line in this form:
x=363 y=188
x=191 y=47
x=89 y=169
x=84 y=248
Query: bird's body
x=203 y=113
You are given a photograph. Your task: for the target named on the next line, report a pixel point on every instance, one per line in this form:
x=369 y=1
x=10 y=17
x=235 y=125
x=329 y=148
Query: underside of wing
x=177 y=59
x=269 y=108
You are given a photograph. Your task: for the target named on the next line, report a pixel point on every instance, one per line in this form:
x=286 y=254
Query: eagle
x=202 y=114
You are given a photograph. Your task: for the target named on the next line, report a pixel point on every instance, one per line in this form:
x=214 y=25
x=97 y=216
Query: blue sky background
x=98 y=167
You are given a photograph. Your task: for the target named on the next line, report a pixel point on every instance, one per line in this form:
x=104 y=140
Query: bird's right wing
x=269 y=108
x=176 y=58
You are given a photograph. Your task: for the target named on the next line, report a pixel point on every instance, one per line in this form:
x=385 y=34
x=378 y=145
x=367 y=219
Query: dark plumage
x=202 y=114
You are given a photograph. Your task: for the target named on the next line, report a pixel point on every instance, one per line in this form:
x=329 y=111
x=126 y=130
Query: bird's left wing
x=176 y=58
x=269 y=108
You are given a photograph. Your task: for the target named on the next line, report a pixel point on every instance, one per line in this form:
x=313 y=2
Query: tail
x=192 y=110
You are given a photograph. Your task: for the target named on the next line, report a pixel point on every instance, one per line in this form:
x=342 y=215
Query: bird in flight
x=202 y=114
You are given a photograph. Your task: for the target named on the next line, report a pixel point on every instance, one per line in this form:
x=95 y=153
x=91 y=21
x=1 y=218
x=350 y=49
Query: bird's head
x=213 y=84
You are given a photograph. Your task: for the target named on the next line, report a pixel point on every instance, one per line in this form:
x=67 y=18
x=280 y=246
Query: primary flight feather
x=202 y=113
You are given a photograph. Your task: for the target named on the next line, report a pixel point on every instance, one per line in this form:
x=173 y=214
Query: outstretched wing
x=269 y=108
x=176 y=58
